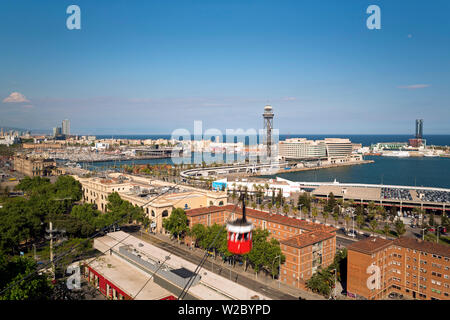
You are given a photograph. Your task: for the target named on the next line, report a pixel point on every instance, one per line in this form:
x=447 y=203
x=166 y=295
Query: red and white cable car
x=240 y=234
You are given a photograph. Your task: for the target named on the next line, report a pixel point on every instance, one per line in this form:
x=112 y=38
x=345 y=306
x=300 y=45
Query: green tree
x=336 y=218
x=314 y=213
x=382 y=212
x=325 y=216
x=331 y=203
x=120 y=211
x=360 y=221
x=431 y=220
x=347 y=221
x=13 y=271
x=373 y=224
x=177 y=223
x=199 y=232
x=400 y=228
x=386 y=229
x=304 y=200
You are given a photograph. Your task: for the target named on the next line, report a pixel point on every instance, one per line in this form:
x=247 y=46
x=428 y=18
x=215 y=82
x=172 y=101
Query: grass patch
x=442 y=239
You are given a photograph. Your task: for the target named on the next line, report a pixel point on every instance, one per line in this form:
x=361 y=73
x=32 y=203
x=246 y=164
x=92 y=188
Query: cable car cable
x=200 y=264
x=77 y=245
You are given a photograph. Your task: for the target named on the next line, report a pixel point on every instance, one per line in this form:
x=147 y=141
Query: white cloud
x=15 y=97
x=415 y=86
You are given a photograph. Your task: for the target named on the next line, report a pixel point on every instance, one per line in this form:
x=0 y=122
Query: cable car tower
x=240 y=233
x=268 y=124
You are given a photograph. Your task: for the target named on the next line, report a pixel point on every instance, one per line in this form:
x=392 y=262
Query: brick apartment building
x=414 y=268
x=306 y=245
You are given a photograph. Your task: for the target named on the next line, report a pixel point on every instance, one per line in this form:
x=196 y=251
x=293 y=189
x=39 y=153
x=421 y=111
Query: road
x=237 y=277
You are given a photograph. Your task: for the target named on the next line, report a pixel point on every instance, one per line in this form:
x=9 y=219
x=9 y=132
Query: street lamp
x=438 y=228
x=423 y=233
x=300 y=209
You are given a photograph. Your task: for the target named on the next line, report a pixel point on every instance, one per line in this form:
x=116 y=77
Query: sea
x=411 y=171
x=365 y=140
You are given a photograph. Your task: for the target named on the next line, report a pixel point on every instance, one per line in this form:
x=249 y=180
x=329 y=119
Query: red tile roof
x=370 y=245
x=275 y=218
x=425 y=246
x=203 y=210
x=307 y=239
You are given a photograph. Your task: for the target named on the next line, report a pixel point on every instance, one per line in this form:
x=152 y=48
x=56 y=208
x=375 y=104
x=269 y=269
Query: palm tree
x=373 y=226
x=278 y=205
x=336 y=218
x=294 y=210
x=360 y=221
x=270 y=205
x=399 y=228
x=286 y=208
x=314 y=213
x=261 y=206
x=386 y=229
x=325 y=216
x=347 y=221
x=305 y=211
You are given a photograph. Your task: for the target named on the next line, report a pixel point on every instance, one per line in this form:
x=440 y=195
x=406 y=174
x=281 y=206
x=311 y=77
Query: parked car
x=351 y=234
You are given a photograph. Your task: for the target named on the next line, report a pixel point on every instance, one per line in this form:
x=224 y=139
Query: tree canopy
x=176 y=223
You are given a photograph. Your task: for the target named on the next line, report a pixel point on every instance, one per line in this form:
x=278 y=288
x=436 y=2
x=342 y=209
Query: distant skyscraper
x=419 y=128
x=56 y=131
x=66 y=127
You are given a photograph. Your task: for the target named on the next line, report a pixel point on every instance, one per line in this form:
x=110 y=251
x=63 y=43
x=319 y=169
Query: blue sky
x=153 y=66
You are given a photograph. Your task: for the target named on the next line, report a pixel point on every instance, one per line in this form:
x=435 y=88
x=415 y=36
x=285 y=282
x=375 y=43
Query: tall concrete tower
x=268 y=124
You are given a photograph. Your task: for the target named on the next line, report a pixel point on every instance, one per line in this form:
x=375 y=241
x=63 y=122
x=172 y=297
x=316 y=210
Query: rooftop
x=252 y=213
x=307 y=239
x=425 y=246
x=128 y=278
x=211 y=286
x=370 y=245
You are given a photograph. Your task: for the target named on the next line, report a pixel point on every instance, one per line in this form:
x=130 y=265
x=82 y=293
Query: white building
x=301 y=148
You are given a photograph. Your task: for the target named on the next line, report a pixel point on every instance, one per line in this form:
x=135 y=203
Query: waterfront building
x=397 y=146
x=301 y=148
x=9 y=140
x=405 y=198
x=306 y=245
x=34 y=166
x=417 y=269
x=337 y=147
x=153 y=196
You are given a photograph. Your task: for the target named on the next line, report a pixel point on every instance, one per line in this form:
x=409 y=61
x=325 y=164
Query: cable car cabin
x=239 y=236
